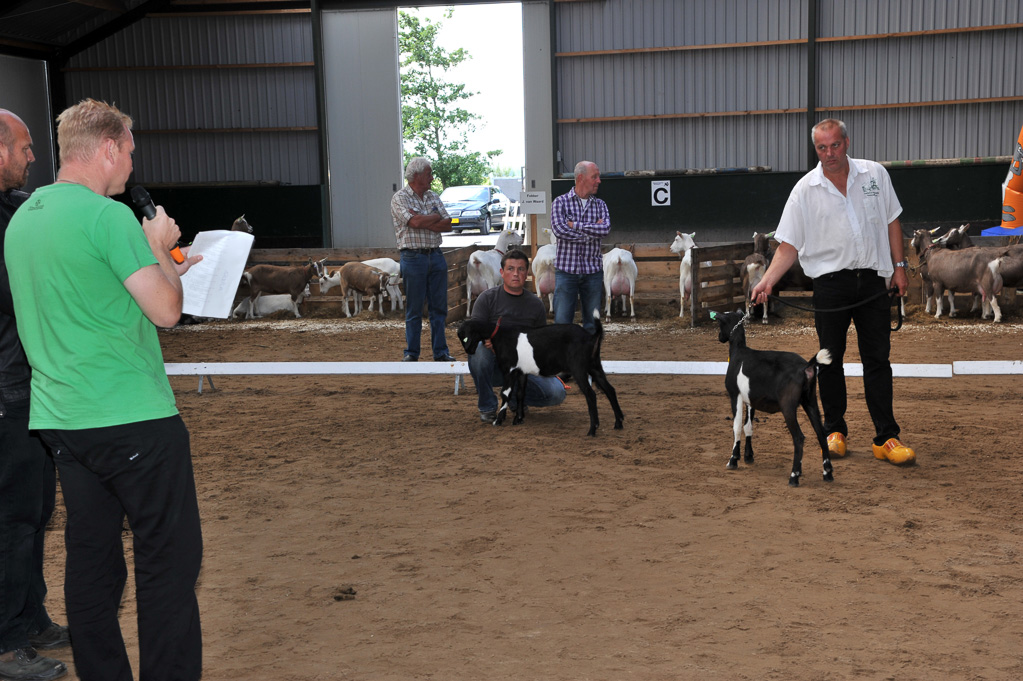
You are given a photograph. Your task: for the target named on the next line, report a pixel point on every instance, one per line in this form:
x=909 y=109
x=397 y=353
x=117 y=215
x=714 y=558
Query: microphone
x=144 y=202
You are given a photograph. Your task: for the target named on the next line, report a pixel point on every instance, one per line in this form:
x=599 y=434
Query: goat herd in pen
x=756 y=380
x=947 y=264
x=274 y=288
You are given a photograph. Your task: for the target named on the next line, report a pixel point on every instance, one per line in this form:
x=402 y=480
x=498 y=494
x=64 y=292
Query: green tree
x=504 y=171
x=433 y=124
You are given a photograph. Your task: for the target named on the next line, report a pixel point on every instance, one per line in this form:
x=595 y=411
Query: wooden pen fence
x=716 y=275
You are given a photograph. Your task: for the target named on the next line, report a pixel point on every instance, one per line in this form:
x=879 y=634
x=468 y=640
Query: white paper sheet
x=210 y=286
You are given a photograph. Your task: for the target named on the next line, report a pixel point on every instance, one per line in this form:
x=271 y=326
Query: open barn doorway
x=462 y=103
x=365 y=146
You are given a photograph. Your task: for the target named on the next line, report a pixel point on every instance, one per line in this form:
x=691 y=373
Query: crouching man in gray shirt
x=517 y=308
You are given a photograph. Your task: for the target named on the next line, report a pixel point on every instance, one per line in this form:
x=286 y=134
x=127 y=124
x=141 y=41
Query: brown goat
x=275 y=279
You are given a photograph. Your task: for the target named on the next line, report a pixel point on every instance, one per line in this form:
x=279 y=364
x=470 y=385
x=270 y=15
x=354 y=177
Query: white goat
x=393 y=283
x=543 y=270
x=269 y=304
x=683 y=245
x=620 y=273
x=483 y=270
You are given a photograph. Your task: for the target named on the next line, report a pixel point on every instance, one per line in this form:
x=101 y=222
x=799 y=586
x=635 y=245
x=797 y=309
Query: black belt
x=860 y=272
x=424 y=251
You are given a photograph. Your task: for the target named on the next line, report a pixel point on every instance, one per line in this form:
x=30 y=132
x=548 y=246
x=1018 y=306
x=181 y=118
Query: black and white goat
x=544 y=351
x=770 y=381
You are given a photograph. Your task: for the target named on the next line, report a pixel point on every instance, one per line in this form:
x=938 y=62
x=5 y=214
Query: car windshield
x=465 y=194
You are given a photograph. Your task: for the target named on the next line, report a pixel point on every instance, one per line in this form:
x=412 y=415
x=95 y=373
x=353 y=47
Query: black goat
x=544 y=351
x=771 y=381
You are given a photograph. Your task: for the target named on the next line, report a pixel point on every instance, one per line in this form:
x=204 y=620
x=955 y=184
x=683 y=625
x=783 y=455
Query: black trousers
x=142 y=471
x=27 y=497
x=873 y=333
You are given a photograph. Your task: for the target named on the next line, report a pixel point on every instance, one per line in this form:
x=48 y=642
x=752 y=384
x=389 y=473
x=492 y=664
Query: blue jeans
x=541 y=391
x=568 y=287
x=426 y=281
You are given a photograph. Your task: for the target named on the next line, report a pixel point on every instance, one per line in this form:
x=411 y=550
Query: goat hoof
x=732 y=464
x=794 y=481
x=618 y=425
x=828 y=476
x=748 y=458
x=516 y=421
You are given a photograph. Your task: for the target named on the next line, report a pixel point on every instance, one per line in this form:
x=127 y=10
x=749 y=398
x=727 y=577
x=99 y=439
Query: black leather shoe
x=25 y=664
x=488 y=416
x=445 y=358
x=409 y=358
x=53 y=636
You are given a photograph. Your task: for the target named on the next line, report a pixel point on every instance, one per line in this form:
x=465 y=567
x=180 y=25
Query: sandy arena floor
x=534 y=552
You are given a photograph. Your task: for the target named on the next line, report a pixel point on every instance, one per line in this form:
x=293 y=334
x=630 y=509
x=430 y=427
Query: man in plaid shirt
x=580 y=221
x=419 y=220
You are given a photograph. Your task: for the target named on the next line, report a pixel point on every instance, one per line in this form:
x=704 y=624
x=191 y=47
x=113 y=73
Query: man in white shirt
x=842 y=222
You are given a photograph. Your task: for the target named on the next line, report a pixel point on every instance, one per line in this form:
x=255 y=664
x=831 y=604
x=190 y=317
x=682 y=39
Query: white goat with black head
x=770 y=381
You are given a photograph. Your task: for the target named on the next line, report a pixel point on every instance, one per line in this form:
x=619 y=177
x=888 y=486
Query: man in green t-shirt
x=90 y=289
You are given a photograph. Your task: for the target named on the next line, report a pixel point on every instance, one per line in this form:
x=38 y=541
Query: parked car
x=475 y=206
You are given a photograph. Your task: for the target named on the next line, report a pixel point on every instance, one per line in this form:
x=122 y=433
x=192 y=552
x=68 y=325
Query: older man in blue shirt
x=580 y=221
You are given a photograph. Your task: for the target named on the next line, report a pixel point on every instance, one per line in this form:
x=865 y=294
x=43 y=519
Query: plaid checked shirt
x=403 y=203
x=579 y=246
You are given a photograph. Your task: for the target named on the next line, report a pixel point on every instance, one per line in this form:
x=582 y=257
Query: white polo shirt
x=832 y=232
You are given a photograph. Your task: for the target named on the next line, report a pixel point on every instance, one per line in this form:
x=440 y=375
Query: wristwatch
x=902 y=263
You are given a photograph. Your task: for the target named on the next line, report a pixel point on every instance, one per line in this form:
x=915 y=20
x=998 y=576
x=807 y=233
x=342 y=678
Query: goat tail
x=995 y=268
x=599 y=334
x=823 y=356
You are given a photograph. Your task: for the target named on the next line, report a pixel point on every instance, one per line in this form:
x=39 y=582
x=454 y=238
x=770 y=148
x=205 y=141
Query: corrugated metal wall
x=660 y=85
x=214 y=99
x=20 y=92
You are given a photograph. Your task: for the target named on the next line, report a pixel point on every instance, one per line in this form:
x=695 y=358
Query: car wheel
x=485 y=226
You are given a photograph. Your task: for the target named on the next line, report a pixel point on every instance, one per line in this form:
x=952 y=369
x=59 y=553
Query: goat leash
x=496 y=327
x=892 y=293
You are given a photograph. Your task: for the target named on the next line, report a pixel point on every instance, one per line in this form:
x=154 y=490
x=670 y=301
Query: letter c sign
x=660 y=193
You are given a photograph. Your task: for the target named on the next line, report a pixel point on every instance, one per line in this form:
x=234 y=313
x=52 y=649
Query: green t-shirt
x=96 y=359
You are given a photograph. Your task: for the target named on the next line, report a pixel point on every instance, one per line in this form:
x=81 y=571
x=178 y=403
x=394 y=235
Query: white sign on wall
x=533 y=203
x=660 y=192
